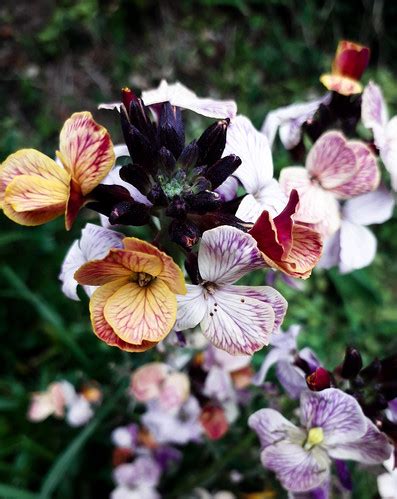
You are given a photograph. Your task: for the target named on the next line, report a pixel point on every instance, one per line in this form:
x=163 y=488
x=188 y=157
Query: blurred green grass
x=57 y=58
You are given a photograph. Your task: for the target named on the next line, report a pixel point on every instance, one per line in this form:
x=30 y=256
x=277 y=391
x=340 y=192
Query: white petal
x=270 y=198
x=357 y=247
x=373 y=106
x=110 y=106
x=226 y=254
x=372 y=208
x=218 y=385
x=191 y=308
x=388 y=150
x=253 y=148
x=120 y=150
x=237 y=323
x=270 y=426
x=331 y=252
x=73 y=260
x=80 y=412
x=113 y=178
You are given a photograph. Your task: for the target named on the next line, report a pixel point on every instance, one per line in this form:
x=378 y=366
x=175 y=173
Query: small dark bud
x=171 y=130
x=201 y=184
x=157 y=197
x=130 y=213
x=140 y=119
x=388 y=390
x=139 y=147
x=212 y=142
x=319 y=380
x=372 y=371
x=191 y=266
x=127 y=96
x=184 y=233
x=203 y=202
x=189 y=156
x=136 y=176
x=352 y=363
x=104 y=197
x=166 y=160
x=176 y=208
x=215 y=219
x=218 y=172
x=389 y=368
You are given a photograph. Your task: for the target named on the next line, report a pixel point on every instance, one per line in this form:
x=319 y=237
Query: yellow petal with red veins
x=86 y=150
x=33 y=200
x=75 y=202
x=341 y=84
x=139 y=313
x=118 y=263
x=171 y=273
x=305 y=251
x=99 y=324
x=30 y=162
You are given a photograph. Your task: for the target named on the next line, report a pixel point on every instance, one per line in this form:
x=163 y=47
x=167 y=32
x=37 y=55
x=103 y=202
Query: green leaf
x=9 y=492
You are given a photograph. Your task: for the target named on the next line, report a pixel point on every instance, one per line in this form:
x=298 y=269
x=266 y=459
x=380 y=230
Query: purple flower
x=136 y=480
x=333 y=426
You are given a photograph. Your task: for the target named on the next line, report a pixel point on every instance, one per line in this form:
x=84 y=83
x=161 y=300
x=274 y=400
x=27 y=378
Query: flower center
x=144 y=279
x=315 y=437
x=210 y=287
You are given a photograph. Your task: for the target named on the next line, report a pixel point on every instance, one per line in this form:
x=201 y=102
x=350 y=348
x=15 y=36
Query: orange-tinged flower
x=285 y=244
x=34 y=189
x=351 y=60
x=135 y=305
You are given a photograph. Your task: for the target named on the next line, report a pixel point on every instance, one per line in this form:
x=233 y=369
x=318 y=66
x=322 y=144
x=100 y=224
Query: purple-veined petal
x=292 y=378
x=271 y=427
x=113 y=178
x=373 y=106
x=371 y=448
x=338 y=414
x=253 y=149
x=237 y=323
x=331 y=252
x=297 y=469
x=218 y=385
x=287 y=341
x=191 y=308
x=357 y=247
x=331 y=160
x=226 y=254
x=272 y=357
x=372 y=208
x=228 y=190
x=179 y=95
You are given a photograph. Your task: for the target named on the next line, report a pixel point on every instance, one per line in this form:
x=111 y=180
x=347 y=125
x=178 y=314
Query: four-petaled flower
x=238 y=319
x=135 y=306
x=333 y=426
x=34 y=189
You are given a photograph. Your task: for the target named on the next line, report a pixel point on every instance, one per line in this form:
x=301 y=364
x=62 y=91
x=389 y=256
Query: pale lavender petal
x=310 y=358
x=218 y=385
x=113 y=178
x=322 y=492
x=253 y=149
x=237 y=323
x=142 y=471
x=297 y=469
x=228 y=190
x=191 y=308
x=331 y=252
x=272 y=357
x=226 y=254
x=292 y=378
x=372 y=208
x=357 y=247
x=387 y=484
x=372 y=448
x=287 y=341
x=123 y=492
x=271 y=427
x=79 y=412
x=215 y=357
x=373 y=106
x=337 y=413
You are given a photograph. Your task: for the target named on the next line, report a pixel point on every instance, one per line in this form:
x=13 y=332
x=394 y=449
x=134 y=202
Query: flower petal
x=101 y=327
x=388 y=150
x=373 y=107
x=357 y=247
x=297 y=469
x=341 y=84
x=226 y=254
x=113 y=178
x=331 y=252
x=191 y=308
x=86 y=150
x=331 y=160
x=305 y=251
x=253 y=149
x=291 y=378
x=237 y=323
x=271 y=198
x=270 y=426
x=372 y=208
x=140 y=314
x=337 y=413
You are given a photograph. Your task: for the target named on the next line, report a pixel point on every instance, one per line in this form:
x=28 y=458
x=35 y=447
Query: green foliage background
x=64 y=56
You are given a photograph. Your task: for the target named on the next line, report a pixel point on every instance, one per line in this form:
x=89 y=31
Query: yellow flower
x=135 y=306
x=34 y=189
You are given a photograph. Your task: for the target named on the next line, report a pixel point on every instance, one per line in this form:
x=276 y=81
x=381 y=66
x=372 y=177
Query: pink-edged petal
x=372 y=208
x=113 y=178
x=237 y=323
x=226 y=254
x=297 y=469
x=253 y=149
x=331 y=161
x=270 y=426
x=373 y=106
x=338 y=414
x=372 y=448
x=357 y=247
x=366 y=177
x=191 y=308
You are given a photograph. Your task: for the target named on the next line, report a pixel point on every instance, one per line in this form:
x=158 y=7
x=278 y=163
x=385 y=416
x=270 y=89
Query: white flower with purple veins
x=137 y=480
x=283 y=355
x=375 y=116
x=94 y=244
x=237 y=319
x=255 y=171
x=288 y=121
x=333 y=426
x=353 y=246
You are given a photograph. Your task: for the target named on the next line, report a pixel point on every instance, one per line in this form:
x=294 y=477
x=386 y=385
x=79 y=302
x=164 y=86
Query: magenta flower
x=333 y=426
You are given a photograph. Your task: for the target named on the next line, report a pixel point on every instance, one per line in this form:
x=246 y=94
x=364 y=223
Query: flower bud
x=127 y=96
x=171 y=129
x=319 y=380
x=189 y=156
x=351 y=59
x=166 y=160
x=130 y=213
x=136 y=176
x=212 y=142
x=352 y=363
x=214 y=422
x=104 y=197
x=139 y=147
x=218 y=172
x=184 y=233
x=203 y=202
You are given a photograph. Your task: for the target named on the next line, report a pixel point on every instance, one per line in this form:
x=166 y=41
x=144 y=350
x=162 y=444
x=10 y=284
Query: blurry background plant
x=57 y=58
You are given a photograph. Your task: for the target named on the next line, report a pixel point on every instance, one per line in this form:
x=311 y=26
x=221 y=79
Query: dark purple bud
x=388 y=390
x=127 y=96
x=191 y=266
x=203 y=202
x=139 y=147
x=184 y=233
x=157 y=197
x=139 y=117
x=171 y=130
x=372 y=371
x=212 y=142
x=218 y=172
x=189 y=156
x=176 y=208
x=166 y=160
x=130 y=213
x=215 y=219
x=352 y=363
x=136 y=176
x=104 y=197
x=319 y=380
x=389 y=368
x=344 y=474
x=201 y=184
